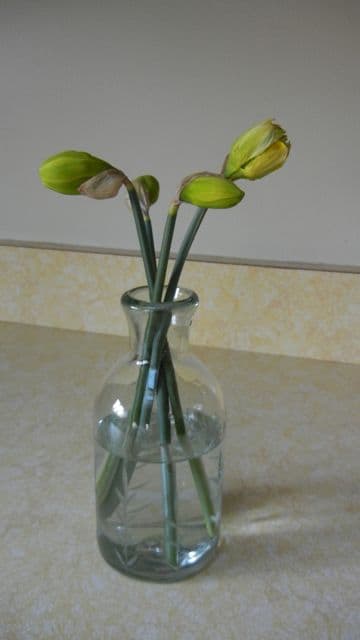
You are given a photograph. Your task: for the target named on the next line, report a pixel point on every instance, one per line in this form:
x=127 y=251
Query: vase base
x=146 y=562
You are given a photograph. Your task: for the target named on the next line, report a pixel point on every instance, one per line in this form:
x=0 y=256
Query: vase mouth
x=138 y=298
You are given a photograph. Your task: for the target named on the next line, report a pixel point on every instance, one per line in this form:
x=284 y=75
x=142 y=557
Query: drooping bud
x=104 y=185
x=147 y=188
x=257 y=152
x=210 y=190
x=66 y=171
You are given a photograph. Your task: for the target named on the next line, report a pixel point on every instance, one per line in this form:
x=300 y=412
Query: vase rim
x=184 y=298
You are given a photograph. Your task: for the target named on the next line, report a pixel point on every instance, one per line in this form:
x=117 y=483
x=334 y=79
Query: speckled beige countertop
x=289 y=564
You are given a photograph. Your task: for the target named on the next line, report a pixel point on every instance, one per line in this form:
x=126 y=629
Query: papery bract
x=106 y=184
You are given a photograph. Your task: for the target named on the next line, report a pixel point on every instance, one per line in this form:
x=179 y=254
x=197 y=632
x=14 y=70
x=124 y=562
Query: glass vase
x=159 y=426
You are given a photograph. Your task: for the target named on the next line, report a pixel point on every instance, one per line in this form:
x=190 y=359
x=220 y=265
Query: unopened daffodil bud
x=104 y=185
x=210 y=190
x=273 y=158
x=257 y=152
x=147 y=189
x=65 y=172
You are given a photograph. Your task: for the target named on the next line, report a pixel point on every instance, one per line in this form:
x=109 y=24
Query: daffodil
x=257 y=152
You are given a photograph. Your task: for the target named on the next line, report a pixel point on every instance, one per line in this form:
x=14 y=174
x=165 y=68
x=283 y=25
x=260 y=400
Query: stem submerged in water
x=168 y=475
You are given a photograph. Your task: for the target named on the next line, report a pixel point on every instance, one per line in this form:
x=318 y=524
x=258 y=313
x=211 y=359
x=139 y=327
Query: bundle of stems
x=157 y=381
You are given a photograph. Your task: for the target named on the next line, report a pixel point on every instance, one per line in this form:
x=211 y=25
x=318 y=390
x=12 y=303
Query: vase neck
x=173 y=318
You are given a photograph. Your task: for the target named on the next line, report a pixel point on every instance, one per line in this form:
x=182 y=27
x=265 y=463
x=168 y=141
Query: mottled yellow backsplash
x=304 y=313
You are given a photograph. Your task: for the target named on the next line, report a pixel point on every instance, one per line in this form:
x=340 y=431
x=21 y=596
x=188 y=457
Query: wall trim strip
x=273 y=264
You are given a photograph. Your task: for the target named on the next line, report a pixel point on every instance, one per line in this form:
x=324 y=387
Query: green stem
x=153 y=371
x=196 y=464
x=160 y=337
x=112 y=468
x=150 y=241
x=183 y=253
x=146 y=241
x=168 y=476
x=150 y=266
x=165 y=251
x=149 y=382
x=145 y=357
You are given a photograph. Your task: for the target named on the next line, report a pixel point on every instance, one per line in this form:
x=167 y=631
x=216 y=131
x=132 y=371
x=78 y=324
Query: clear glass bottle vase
x=159 y=426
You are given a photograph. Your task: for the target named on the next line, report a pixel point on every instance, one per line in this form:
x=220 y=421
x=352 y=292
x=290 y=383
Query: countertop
x=289 y=563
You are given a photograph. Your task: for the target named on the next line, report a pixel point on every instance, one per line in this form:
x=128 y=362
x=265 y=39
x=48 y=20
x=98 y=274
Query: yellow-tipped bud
x=257 y=152
x=147 y=188
x=273 y=158
x=210 y=190
x=104 y=185
x=65 y=172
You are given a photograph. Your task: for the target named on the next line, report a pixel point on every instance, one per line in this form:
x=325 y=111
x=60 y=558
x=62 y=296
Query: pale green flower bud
x=257 y=152
x=147 y=188
x=104 y=185
x=67 y=171
x=210 y=190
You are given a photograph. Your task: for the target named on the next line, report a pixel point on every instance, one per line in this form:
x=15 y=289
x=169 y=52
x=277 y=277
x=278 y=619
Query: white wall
x=164 y=87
